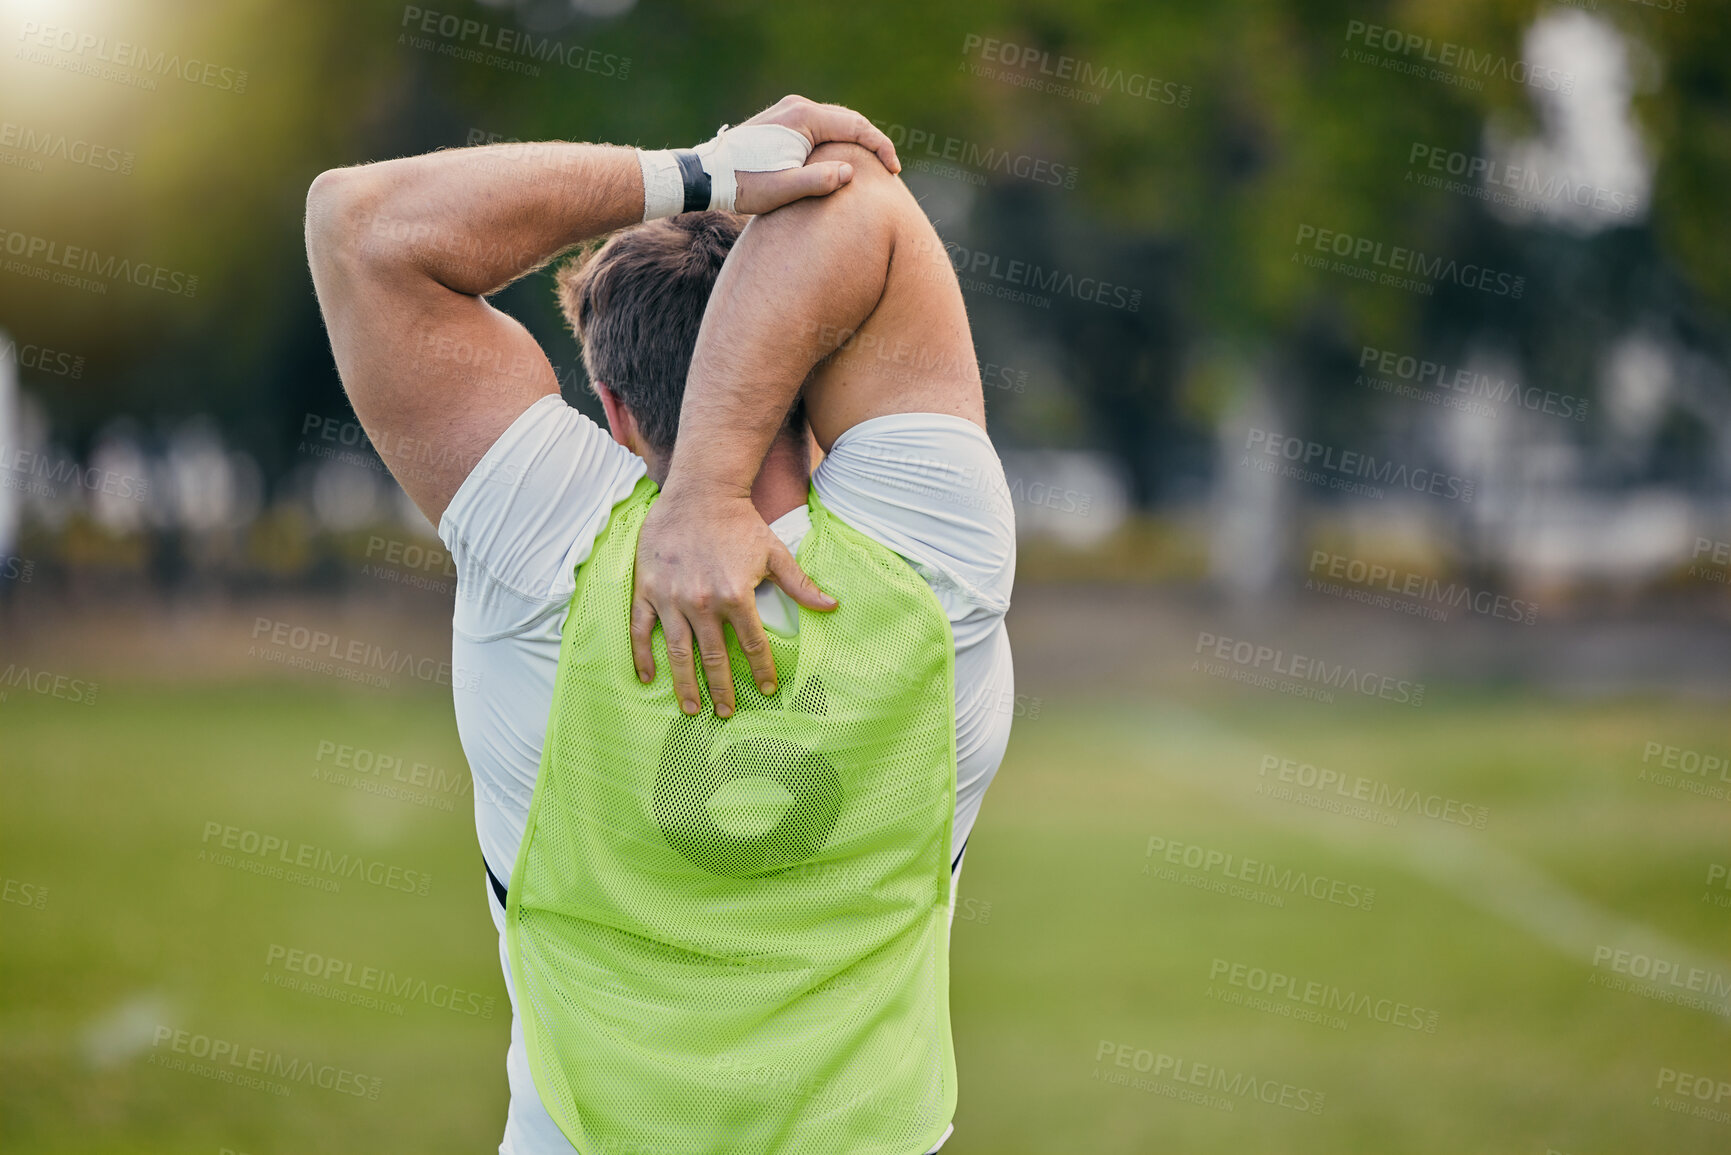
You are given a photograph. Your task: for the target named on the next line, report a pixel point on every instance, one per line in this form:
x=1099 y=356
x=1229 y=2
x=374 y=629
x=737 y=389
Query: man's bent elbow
x=860 y=209
x=335 y=211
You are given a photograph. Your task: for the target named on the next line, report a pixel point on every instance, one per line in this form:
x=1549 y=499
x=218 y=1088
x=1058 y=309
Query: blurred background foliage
x=1196 y=205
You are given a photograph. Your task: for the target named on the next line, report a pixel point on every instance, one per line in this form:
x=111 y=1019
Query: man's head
x=636 y=304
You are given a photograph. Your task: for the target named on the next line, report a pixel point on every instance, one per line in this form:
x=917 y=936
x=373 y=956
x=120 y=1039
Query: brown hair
x=636 y=303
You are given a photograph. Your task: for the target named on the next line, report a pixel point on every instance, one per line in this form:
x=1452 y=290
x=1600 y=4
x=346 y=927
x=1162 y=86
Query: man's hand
x=700 y=558
x=704 y=549
x=761 y=192
x=405 y=252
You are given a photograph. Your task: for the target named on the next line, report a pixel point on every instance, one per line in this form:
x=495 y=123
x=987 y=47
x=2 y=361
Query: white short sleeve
x=930 y=486
x=529 y=513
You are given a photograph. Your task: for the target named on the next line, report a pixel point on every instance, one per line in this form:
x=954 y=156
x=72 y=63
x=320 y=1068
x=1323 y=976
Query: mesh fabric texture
x=732 y=935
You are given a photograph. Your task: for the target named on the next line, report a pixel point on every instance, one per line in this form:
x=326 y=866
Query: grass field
x=1105 y=993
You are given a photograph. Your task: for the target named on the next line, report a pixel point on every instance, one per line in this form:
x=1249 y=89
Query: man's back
x=529 y=514
x=732 y=933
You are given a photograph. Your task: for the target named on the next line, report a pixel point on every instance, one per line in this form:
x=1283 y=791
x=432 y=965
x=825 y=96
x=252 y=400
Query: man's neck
x=782 y=483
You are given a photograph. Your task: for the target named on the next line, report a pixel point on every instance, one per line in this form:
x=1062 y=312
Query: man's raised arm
x=404 y=253
x=850 y=298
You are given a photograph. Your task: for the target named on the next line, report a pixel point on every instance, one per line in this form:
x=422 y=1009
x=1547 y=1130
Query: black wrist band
x=695 y=179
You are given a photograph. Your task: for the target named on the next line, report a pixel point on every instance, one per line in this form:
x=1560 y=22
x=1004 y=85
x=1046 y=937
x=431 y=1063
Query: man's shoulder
x=930 y=486
x=529 y=513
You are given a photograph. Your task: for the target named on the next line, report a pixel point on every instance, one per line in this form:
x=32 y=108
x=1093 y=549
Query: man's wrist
x=698 y=193
x=689 y=180
x=664 y=191
x=676 y=180
x=713 y=490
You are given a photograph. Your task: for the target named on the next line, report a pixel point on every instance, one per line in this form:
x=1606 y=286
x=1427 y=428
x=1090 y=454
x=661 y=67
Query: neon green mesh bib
x=732 y=935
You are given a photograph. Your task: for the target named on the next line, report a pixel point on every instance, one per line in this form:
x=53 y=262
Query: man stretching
x=723 y=901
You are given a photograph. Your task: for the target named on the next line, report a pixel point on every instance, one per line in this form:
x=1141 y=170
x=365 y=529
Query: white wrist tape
x=747 y=148
x=663 y=189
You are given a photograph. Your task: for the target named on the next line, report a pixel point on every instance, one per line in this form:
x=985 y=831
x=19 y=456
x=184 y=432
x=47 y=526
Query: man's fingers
x=754 y=643
x=712 y=648
x=838 y=123
x=680 y=652
x=811 y=180
x=642 y=634
x=824 y=122
x=795 y=583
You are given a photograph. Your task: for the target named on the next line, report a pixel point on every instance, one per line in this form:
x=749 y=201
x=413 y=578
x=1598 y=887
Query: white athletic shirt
x=927 y=485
